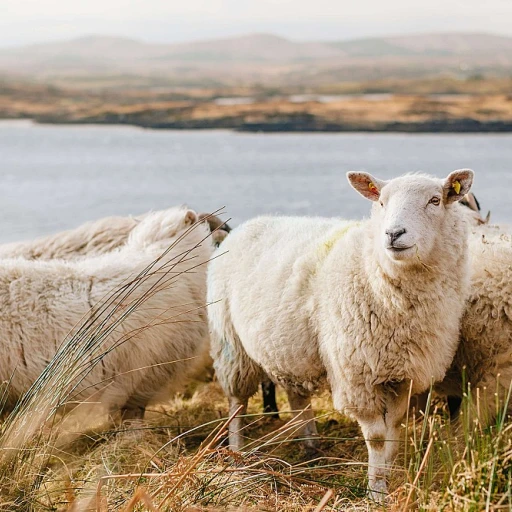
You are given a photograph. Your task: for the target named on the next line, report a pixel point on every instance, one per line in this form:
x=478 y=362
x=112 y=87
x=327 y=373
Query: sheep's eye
x=381 y=203
x=435 y=201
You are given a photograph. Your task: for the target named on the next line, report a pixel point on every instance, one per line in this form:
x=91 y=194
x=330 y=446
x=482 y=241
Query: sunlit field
x=176 y=457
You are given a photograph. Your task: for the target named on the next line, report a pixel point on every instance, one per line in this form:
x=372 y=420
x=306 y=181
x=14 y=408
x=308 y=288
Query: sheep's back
x=91 y=238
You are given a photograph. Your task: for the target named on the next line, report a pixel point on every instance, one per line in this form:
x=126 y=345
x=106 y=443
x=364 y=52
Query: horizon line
x=249 y=34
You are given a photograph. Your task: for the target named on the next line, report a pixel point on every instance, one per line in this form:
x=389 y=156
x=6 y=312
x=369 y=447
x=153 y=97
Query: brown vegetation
x=198 y=109
x=175 y=461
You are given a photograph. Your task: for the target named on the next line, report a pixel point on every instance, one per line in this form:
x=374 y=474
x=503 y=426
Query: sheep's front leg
x=375 y=432
x=382 y=436
x=268 y=389
x=396 y=409
x=302 y=411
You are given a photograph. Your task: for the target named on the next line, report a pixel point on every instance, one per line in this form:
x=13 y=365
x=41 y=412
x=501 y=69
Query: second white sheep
x=158 y=345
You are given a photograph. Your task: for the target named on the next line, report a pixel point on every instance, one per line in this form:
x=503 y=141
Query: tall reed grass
x=29 y=436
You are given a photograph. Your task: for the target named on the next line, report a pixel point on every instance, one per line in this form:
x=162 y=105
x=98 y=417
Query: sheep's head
x=218 y=227
x=409 y=211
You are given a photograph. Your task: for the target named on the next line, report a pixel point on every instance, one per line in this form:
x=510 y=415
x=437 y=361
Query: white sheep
x=162 y=342
x=361 y=307
x=92 y=238
x=96 y=237
x=484 y=356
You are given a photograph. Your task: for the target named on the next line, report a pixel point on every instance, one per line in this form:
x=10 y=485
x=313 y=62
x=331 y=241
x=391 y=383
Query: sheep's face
x=409 y=211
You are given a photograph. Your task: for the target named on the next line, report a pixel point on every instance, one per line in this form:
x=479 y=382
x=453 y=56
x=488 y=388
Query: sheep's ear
x=190 y=217
x=457 y=185
x=366 y=184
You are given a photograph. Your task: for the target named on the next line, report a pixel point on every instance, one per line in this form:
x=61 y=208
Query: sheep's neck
x=406 y=299
x=448 y=269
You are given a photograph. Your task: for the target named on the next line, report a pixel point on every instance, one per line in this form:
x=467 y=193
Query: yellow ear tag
x=373 y=188
x=456 y=186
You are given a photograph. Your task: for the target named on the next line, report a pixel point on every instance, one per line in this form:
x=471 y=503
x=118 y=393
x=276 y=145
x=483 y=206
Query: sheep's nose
x=394 y=234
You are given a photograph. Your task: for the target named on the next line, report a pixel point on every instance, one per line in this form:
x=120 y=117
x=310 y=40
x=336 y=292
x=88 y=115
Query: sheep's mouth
x=394 y=248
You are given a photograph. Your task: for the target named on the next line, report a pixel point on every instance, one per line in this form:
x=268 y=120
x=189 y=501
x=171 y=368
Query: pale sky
x=30 y=21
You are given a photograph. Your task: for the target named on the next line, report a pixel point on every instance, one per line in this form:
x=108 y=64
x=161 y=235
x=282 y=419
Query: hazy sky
x=28 y=21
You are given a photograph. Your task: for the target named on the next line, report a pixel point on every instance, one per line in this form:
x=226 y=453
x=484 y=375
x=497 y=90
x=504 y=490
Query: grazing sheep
x=361 y=307
x=160 y=343
x=96 y=237
x=92 y=238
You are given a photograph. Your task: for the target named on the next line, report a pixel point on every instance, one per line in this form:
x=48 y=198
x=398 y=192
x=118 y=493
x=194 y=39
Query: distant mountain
x=254 y=48
x=429 y=45
x=121 y=51
x=454 y=44
x=263 y=56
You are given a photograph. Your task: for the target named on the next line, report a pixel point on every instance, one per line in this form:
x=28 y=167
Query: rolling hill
x=265 y=57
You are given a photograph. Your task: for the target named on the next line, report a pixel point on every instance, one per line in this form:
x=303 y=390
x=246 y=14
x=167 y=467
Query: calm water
x=56 y=177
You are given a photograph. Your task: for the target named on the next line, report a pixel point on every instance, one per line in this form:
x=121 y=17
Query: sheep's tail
x=237 y=373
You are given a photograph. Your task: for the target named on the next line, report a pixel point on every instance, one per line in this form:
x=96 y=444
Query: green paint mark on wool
x=328 y=244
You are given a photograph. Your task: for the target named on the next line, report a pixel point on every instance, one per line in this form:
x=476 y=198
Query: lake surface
x=56 y=177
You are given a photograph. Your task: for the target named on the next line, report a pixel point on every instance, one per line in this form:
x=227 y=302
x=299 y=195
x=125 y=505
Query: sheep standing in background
x=471 y=202
x=160 y=343
x=484 y=356
x=371 y=309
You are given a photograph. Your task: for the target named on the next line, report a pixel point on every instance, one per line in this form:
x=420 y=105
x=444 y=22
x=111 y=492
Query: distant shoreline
x=485 y=113
x=467 y=125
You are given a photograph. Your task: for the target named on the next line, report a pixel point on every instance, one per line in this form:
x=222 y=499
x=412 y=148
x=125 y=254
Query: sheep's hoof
x=312 y=448
x=132 y=413
x=378 y=492
x=313 y=452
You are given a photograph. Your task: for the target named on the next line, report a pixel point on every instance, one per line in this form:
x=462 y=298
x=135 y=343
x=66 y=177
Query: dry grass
x=178 y=449
x=175 y=460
